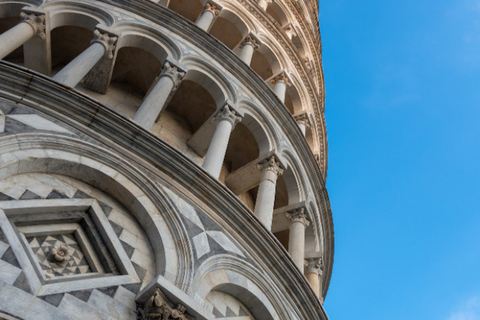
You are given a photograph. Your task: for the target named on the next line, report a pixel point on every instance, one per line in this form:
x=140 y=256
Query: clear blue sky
x=403 y=119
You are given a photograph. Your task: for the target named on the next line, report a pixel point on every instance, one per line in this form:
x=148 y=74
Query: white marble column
x=33 y=24
x=296 y=241
x=210 y=12
x=313 y=273
x=271 y=170
x=302 y=122
x=2 y=122
x=281 y=83
x=103 y=44
x=226 y=120
x=151 y=107
x=264 y=4
x=248 y=46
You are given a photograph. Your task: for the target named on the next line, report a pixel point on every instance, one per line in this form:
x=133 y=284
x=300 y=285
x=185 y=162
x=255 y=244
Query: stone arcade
x=162 y=160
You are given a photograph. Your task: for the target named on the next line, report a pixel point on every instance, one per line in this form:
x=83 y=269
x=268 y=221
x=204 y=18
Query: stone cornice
x=153 y=154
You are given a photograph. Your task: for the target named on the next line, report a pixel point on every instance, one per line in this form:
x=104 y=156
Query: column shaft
x=153 y=104
x=266 y=198
x=280 y=90
x=15 y=37
x=303 y=128
x=247 y=53
x=205 y=20
x=74 y=72
x=314 y=281
x=296 y=243
x=218 y=147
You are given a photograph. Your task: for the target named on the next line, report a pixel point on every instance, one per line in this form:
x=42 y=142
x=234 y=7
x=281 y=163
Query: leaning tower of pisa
x=162 y=160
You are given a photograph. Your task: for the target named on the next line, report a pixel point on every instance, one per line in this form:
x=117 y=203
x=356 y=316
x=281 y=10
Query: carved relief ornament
x=36 y=20
x=107 y=39
x=156 y=308
x=173 y=72
x=228 y=114
x=213 y=8
x=298 y=215
x=250 y=40
x=271 y=164
x=314 y=265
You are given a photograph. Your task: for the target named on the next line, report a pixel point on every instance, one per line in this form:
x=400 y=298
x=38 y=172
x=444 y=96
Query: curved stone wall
x=198 y=121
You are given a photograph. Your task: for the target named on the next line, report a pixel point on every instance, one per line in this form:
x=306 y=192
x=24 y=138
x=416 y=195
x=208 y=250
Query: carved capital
x=298 y=215
x=314 y=265
x=308 y=64
x=302 y=118
x=35 y=19
x=107 y=39
x=282 y=77
x=250 y=40
x=271 y=164
x=228 y=114
x=157 y=308
x=213 y=8
x=173 y=72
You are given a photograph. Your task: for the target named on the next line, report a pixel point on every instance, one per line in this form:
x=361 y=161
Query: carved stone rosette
x=228 y=114
x=298 y=215
x=107 y=39
x=281 y=77
x=156 y=308
x=250 y=40
x=271 y=164
x=36 y=20
x=173 y=72
x=314 y=265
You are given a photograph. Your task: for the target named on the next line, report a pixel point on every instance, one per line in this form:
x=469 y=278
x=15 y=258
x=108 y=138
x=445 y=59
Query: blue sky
x=403 y=119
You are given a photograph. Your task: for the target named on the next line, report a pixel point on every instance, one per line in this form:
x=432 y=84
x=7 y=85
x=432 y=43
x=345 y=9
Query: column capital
x=302 y=118
x=36 y=19
x=298 y=215
x=174 y=72
x=290 y=31
x=250 y=40
x=271 y=164
x=282 y=77
x=106 y=38
x=157 y=307
x=213 y=8
x=229 y=114
x=314 y=265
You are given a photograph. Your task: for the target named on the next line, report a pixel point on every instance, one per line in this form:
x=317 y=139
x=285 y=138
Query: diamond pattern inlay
x=42 y=248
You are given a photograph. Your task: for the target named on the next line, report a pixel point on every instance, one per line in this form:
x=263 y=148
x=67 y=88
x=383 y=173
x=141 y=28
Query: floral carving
x=60 y=253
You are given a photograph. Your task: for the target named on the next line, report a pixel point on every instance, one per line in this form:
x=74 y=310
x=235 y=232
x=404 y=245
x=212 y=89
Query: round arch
x=240 y=279
x=104 y=170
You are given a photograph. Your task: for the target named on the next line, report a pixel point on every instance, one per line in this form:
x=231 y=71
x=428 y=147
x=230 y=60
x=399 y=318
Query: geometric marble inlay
x=46 y=247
